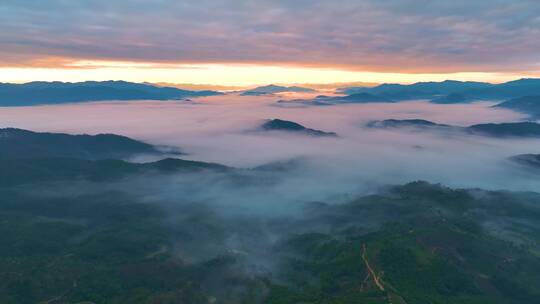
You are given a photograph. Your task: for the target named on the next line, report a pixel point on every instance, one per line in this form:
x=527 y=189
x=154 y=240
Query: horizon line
x=165 y=84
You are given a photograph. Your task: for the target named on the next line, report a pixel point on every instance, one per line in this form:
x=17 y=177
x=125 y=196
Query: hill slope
x=18 y=143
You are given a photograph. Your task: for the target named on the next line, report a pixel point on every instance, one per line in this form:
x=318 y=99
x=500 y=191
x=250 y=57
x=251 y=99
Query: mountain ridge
x=509 y=129
x=20 y=143
x=434 y=90
x=41 y=92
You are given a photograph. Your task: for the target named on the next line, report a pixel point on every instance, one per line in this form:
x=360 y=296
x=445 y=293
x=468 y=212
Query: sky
x=244 y=42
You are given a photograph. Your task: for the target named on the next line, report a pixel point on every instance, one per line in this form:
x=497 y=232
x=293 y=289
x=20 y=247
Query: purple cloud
x=407 y=35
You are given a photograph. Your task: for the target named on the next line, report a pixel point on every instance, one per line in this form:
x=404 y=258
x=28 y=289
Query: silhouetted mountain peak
x=290 y=126
x=407 y=123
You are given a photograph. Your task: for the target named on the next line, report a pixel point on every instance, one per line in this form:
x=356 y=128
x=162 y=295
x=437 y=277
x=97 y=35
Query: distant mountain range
x=514 y=129
x=451 y=91
x=293 y=127
x=445 y=92
x=272 y=89
x=35 y=93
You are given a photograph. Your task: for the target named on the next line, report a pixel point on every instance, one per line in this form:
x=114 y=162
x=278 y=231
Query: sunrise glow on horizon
x=228 y=74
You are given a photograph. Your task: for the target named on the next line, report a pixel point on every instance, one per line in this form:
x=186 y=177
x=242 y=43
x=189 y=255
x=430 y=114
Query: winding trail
x=376 y=279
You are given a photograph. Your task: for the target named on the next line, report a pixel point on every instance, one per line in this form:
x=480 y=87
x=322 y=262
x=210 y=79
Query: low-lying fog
x=215 y=129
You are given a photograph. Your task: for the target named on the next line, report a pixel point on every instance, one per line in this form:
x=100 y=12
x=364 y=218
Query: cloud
x=214 y=130
x=399 y=36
